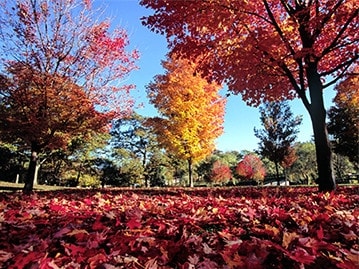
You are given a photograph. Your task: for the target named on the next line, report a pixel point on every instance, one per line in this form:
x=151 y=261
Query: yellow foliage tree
x=191 y=109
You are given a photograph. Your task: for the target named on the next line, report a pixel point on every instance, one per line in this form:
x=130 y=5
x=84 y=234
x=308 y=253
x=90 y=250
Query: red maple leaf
x=302 y=256
x=98 y=225
x=23 y=260
x=320 y=233
x=134 y=223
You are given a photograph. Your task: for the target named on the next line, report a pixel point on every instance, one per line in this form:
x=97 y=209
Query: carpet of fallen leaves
x=179 y=228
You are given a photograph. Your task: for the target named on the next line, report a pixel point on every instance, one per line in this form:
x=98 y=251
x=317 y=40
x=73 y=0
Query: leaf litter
x=181 y=228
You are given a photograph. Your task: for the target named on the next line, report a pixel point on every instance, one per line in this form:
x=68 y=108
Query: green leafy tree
x=278 y=134
x=133 y=135
x=344 y=118
x=344 y=168
x=12 y=162
x=160 y=170
x=302 y=171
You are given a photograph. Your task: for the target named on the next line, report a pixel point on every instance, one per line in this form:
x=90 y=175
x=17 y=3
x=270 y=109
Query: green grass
x=10 y=186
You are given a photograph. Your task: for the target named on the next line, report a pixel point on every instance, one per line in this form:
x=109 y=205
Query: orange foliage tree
x=344 y=118
x=192 y=111
x=251 y=167
x=268 y=50
x=221 y=173
x=61 y=71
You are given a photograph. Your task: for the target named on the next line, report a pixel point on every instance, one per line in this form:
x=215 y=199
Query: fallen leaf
x=288 y=238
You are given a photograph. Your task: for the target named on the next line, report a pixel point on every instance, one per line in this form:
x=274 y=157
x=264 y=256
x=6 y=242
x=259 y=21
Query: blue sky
x=240 y=119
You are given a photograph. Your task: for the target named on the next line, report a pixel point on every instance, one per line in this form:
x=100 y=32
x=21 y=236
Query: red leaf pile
x=180 y=228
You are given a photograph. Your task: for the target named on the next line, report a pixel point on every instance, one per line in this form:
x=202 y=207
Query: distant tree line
x=131 y=156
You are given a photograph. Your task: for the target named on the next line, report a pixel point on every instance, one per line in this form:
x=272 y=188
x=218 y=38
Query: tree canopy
x=251 y=167
x=344 y=118
x=191 y=108
x=61 y=70
x=268 y=50
x=278 y=134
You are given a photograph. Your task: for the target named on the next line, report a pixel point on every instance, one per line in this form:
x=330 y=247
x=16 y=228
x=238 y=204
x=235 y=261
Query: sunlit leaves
x=268 y=50
x=191 y=108
x=261 y=49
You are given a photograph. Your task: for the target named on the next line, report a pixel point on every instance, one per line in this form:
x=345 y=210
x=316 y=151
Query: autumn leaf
x=233 y=261
x=98 y=225
x=147 y=236
x=134 y=224
x=74 y=251
x=302 y=256
x=272 y=230
x=4 y=256
x=77 y=232
x=97 y=259
x=24 y=260
x=288 y=238
x=320 y=233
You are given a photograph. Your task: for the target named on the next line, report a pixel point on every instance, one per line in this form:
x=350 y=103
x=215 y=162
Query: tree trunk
x=326 y=179
x=277 y=172
x=36 y=175
x=29 y=179
x=190 y=178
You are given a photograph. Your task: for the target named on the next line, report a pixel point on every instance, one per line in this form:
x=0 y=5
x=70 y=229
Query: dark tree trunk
x=326 y=179
x=190 y=178
x=29 y=179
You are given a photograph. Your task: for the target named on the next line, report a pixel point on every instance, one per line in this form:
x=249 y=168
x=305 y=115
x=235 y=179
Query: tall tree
x=302 y=171
x=61 y=69
x=192 y=111
x=268 y=50
x=278 y=134
x=344 y=118
x=132 y=134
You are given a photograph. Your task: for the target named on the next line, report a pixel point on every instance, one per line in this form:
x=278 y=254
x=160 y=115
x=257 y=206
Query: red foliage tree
x=251 y=167
x=62 y=74
x=221 y=173
x=268 y=50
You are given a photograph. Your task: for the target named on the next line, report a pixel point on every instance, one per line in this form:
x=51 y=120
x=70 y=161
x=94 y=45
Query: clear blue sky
x=239 y=119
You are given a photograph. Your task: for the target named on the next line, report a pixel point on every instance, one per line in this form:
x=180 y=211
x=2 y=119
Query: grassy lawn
x=10 y=186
